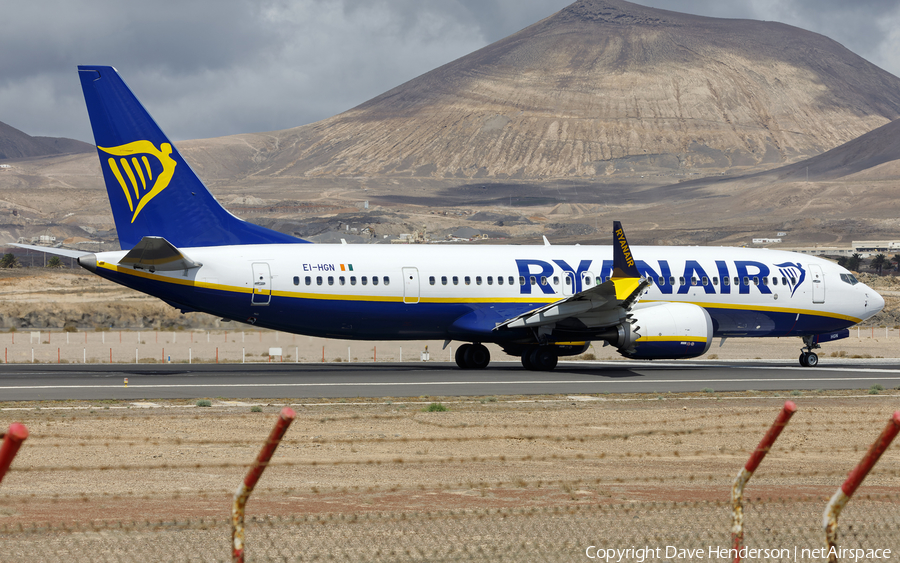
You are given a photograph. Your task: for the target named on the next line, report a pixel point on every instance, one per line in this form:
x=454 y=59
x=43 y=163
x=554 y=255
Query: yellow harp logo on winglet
x=140 y=180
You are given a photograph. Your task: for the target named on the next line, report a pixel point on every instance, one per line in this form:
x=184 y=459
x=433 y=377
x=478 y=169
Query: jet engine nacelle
x=657 y=331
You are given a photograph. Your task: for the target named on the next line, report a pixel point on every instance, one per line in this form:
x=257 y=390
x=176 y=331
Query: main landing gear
x=539 y=358
x=473 y=356
x=808 y=358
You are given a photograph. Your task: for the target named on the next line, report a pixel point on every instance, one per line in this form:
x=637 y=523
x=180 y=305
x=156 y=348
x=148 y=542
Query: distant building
x=766 y=240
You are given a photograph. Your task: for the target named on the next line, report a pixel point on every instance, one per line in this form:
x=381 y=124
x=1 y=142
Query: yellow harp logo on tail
x=140 y=179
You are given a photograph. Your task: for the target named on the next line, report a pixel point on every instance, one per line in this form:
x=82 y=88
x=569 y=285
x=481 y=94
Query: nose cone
x=876 y=301
x=89 y=262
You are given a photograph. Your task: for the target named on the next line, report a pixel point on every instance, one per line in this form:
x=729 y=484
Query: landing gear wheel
x=461 y=356
x=809 y=360
x=477 y=356
x=526 y=359
x=544 y=359
x=472 y=356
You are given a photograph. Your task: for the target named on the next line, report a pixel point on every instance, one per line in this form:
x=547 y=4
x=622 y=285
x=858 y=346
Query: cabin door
x=261 y=288
x=818 y=283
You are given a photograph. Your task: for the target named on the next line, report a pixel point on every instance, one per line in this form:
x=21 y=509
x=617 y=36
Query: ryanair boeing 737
x=535 y=302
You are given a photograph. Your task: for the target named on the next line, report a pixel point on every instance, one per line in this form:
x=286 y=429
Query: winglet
x=625 y=274
x=623 y=261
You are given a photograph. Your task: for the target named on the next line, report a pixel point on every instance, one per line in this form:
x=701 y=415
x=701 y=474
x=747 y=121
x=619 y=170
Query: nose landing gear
x=808 y=358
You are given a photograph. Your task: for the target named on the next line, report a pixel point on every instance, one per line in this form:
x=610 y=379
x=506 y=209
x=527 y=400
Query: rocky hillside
x=17 y=144
x=600 y=88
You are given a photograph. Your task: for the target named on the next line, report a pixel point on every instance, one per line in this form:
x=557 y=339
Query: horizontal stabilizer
x=156 y=253
x=67 y=252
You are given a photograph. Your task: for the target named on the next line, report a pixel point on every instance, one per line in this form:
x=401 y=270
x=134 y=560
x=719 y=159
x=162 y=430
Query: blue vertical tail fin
x=152 y=189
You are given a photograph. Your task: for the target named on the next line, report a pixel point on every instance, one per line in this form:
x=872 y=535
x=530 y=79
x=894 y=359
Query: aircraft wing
x=600 y=306
x=67 y=252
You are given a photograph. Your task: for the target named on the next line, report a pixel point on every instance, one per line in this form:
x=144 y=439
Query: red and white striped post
x=843 y=494
x=243 y=493
x=12 y=440
x=737 y=489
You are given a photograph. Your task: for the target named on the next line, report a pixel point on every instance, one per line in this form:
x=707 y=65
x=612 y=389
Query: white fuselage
x=420 y=291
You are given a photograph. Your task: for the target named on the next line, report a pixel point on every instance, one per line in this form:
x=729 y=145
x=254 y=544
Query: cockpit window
x=849 y=278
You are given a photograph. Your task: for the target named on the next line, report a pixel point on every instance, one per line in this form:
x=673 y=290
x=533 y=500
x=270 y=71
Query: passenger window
x=386 y=280
x=555 y=280
x=693 y=280
x=672 y=280
x=755 y=280
x=364 y=280
x=468 y=280
x=746 y=280
x=650 y=280
x=499 y=280
x=374 y=280
x=662 y=280
x=794 y=280
x=680 y=280
x=783 y=280
x=431 y=280
x=342 y=280
x=296 y=280
x=512 y=281
x=455 y=280
x=477 y=280
x=330 y=280
x=737 y=281
x=774 y=280
x=352 y=280
x=318 y=280
x=533 y=280
x=308 y=280
x=568 y=280
x=765 y=280
x=726 y=281
x=705 y=281
x=599 y=280
x=443 y=280
x=543 y=280
x=490 y=280
x=587 y=281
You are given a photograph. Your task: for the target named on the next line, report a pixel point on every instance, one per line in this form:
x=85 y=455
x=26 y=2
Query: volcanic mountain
x=17 y=144
x=606 y=87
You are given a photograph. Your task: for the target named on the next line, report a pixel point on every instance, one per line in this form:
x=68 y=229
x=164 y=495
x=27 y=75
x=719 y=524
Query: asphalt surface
x=27 y=382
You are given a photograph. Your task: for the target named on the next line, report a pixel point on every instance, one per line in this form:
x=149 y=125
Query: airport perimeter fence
x=202 y=346
x=252 y=346
x=781 y=530
x=540 y=506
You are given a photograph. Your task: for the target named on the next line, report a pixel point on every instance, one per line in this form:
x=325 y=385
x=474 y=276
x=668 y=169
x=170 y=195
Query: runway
x=24 y=382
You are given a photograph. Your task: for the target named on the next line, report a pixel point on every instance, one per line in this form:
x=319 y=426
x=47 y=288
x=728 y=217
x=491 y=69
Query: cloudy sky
x=208 y=68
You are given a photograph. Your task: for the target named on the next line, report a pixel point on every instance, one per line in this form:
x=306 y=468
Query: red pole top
x=774 y=431
x=881 y=444
x=17 y=431
x=10 y=446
